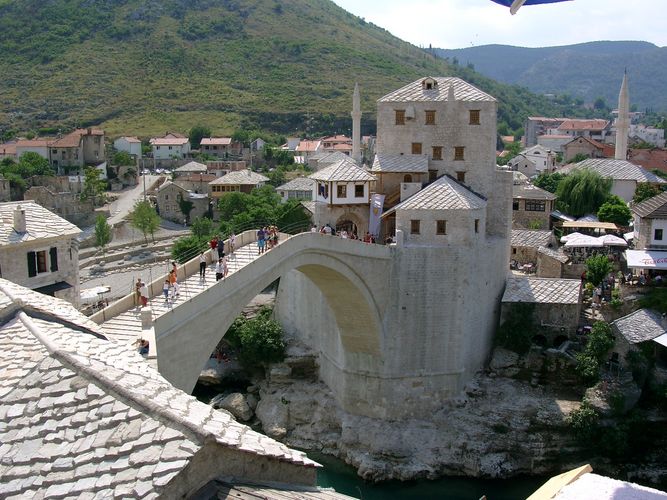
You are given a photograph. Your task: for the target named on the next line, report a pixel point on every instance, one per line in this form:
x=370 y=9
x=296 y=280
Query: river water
x=344 y=479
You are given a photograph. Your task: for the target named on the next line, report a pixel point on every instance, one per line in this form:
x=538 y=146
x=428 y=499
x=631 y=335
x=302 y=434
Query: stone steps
x=126 y=327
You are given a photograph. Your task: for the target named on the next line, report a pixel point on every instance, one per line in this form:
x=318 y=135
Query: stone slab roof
x=297 y=184
x=192 y=166
x=554 y=254
x=640 y=326
x=342 y=171
x=40 y=223
x=530 y=192
x=653 y=208
x=329 y=157
x=384 y=163
x=229 y=488
x=415 y=91
x=531 y=238
x=82 y=415
x=620 y=170
x=542 y=290
x=443 y=194
x=240 y=177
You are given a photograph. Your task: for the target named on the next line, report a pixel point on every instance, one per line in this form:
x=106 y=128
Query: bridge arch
x=187 y=335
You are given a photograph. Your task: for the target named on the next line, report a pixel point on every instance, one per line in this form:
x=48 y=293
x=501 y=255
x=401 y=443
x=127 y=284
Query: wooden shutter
x=32 y=264
x=54 y=258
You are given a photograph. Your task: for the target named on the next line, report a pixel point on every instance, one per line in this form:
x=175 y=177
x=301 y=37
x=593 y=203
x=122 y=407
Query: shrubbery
x=600 y=340
x=259 y=339
x=518 y=329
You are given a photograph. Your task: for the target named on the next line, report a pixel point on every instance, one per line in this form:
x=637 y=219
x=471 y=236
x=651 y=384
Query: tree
x=645 y=191
x=582 y=192
x=600 y=104
x=185 y=205
x=615 y=210
x=197 y=133
x=578 y=157
x=123 y=158
x=259 y=339
x=202 y=227
x=597 y=268
x=145 y=218
x=93 y=186
x=102 y=232
x=33 y=164
x=548 y=182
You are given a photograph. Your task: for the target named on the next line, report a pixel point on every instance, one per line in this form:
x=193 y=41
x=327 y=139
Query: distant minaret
x=623 y=121
x=356 y=125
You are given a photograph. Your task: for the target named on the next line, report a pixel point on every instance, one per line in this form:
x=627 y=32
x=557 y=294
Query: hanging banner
x=377 y=202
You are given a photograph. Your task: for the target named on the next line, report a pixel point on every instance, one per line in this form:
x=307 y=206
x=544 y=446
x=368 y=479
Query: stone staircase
x=126 y=327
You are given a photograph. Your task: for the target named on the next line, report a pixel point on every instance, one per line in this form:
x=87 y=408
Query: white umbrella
x=93 y=293
x=614 y=241
x=568 y=237
x=584 y=241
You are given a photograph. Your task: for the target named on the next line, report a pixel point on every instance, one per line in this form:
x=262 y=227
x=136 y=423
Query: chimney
x=19 y=219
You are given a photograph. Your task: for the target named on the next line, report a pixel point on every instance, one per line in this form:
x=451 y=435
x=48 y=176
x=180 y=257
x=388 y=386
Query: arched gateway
x=187 y=335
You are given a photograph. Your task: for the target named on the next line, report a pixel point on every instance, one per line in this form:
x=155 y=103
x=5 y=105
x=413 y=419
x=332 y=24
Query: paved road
x=125 y=202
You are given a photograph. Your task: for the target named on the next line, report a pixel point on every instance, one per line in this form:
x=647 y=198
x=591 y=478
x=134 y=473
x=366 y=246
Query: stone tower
x=356 y=125
x=623 y=121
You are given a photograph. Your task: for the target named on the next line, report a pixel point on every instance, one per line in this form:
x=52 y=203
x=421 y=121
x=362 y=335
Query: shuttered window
x=32 y=264
x=54 y=259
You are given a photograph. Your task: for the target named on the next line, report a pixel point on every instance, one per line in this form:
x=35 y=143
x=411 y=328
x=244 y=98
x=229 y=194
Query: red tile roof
x=577 y=124
x=33 y=143
x=649 y=158
x=308 y=146
x=8 y=149
x=216 y=141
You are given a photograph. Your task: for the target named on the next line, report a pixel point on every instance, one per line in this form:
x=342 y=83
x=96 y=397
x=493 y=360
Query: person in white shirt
x=202 y=266
x=219 y=269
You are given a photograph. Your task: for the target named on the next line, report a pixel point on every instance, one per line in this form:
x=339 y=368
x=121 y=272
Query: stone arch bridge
x=353 y=278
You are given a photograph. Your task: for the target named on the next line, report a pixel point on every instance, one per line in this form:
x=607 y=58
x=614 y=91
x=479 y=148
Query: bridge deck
x=126 y=327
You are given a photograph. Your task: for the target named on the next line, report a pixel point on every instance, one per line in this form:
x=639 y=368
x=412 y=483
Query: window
x=477 y=225
x=461 y=176
x=535 y=205
x=400 y=116
x=38 y=261
x=416 y=148
x=407 y=178
x=341 y=190
x=474 y=117
x=169 y=148
x=359 y=191
x=441 y=227
x=515 y=204
x=41 y=261
x=430 y=118
x=437 y=152
x=166 y=197
x=432 y=175
x=414 y=227
x=458 y=152
x=657 y=234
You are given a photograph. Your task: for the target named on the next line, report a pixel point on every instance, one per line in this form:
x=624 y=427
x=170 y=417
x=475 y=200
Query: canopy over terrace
x=581 y=224
x=646 y=259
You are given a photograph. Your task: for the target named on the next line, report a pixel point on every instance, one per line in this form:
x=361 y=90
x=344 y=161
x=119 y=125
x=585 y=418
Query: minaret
x=623 y=121
x=356 y=125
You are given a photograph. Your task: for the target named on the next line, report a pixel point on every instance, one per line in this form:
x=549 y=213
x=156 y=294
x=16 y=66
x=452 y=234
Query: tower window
x=458 y=152
x=414 y=226
x=474 y=117
x=400 y=116
x=437 y=152
x=441 y=227
x=416 y=148
x=430 y=118
x=477 y=225
x=535 y=205
x=359 y=191
x=407 y=178
x=657 y=235
x=515 y=204
x=341 y=190
x=461 y=176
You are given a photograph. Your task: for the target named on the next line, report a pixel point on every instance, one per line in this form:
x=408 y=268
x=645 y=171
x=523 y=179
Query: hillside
x=587 y=70
x=143 y=67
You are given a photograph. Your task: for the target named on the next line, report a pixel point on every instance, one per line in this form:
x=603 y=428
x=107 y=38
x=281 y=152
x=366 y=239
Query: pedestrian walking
x=174 y=269
x=137 y=291
x=225 y=267
x=165 y=291
x=202 y=266
x=232 y=242
x=143 y=294
x=219 y=270
x=260 y=241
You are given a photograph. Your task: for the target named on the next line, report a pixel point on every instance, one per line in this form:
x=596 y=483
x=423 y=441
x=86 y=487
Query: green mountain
x=146 y=66
x=586 y=71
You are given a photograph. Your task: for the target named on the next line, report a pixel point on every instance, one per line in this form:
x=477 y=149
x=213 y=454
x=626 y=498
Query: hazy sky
x=453 y=24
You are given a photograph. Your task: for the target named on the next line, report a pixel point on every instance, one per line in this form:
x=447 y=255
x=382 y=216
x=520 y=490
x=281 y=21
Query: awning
x=645 y=259
x=52 y=289
x=612 y=241
x=662 y=340
x=590 y=225
x=584 y=241
x=94 y=293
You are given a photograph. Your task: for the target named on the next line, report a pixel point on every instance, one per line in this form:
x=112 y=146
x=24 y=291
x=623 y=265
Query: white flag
x=377 y=202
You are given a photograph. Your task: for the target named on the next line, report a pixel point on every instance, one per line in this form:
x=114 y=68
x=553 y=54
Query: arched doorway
x=351 y=224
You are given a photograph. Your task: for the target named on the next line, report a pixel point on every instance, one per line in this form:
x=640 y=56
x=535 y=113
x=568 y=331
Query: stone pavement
x=126 y=327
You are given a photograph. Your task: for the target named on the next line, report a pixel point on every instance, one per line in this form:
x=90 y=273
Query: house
x=596 y=129
x=190 y=168
x=642 y=133
x=240 y=181
x=223 y=167
x=169 y=197
x=197 y=183
x=39 y=146
x=257 y=145
x=341 y=197
x=8 y=150
x=536 y=126
x=399 y=177
x=307 y=148
x=65 y=204
x=625 y=175
x=554 y=142
x=171 y=145
x=557 y=301
x=318 y=161
x=650 y=159
x=543 y=158
x=89 y=417
x=38 y=250
x=531 y=206
x=583 y=146
x=128 y=144
x=220 y=147
x=525 y=244
x=650 y=223
x=523 y=165
x=644 y=327
x=78 y=149
x=551 y=262
x=339 y=143
x=300 y=188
